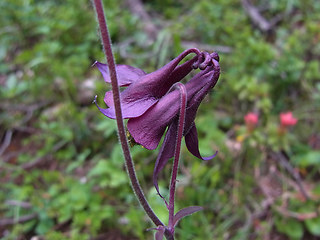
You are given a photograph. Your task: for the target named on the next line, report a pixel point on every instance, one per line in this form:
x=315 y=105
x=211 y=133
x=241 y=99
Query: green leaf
x=311 y=158
x=291 y=227
x=107 y=127
x=313 y=226
x=100 y=169
x=44 y=226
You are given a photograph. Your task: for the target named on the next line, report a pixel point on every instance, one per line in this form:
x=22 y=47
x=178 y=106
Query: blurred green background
x=61 y=169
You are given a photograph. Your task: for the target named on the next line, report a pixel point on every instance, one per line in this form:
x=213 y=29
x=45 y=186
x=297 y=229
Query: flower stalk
x=175 y=166
x=106 y=42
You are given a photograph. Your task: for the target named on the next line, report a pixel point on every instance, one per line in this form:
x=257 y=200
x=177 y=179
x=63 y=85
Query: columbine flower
x=251 y=120
x=151 y=108
x=144 y=90
x=286 y=119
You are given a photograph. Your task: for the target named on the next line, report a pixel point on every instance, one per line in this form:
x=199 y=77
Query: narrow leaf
x=185 y=212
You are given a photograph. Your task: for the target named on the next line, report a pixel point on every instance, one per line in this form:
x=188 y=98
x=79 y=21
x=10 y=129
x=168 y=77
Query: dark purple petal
x=191 y=135
x=192 y=143
x=126 y=74
x=185 y=212
x=148 y=129
x=129 y=110
x=177 y=75
x=160 y=81
x=166 y=152
x=108 y=99
x=197 y=88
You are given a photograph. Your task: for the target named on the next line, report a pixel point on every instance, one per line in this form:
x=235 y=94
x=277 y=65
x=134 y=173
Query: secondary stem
x=181 y=120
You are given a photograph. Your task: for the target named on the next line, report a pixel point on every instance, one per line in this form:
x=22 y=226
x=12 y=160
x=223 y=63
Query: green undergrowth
x=64 y=160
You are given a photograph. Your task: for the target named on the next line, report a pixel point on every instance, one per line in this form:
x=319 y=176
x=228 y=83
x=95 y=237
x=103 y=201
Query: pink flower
x=251 y=119
x=286 y=119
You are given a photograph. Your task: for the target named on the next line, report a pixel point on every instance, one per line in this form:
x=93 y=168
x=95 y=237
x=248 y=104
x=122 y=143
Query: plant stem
x=175 y=166
x=121 y=130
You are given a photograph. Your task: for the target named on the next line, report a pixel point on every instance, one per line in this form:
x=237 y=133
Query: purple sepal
x=192 y=144
x=129 y=110
x=126 y=74
x=148 y=129
x=166 y=152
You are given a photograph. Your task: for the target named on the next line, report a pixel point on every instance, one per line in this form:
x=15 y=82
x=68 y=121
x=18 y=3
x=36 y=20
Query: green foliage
x=311 y=158
x=292 y=228
x=64 y=160
x=313 y=226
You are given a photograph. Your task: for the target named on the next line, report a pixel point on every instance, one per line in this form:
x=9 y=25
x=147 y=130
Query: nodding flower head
x=144 y=90
x=151 y=108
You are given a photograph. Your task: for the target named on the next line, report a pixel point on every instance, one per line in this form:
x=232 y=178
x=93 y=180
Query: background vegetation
x=61 y=169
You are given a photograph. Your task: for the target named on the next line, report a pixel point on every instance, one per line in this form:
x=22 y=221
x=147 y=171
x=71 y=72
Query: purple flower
x=144 y=90
x=151 y=109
